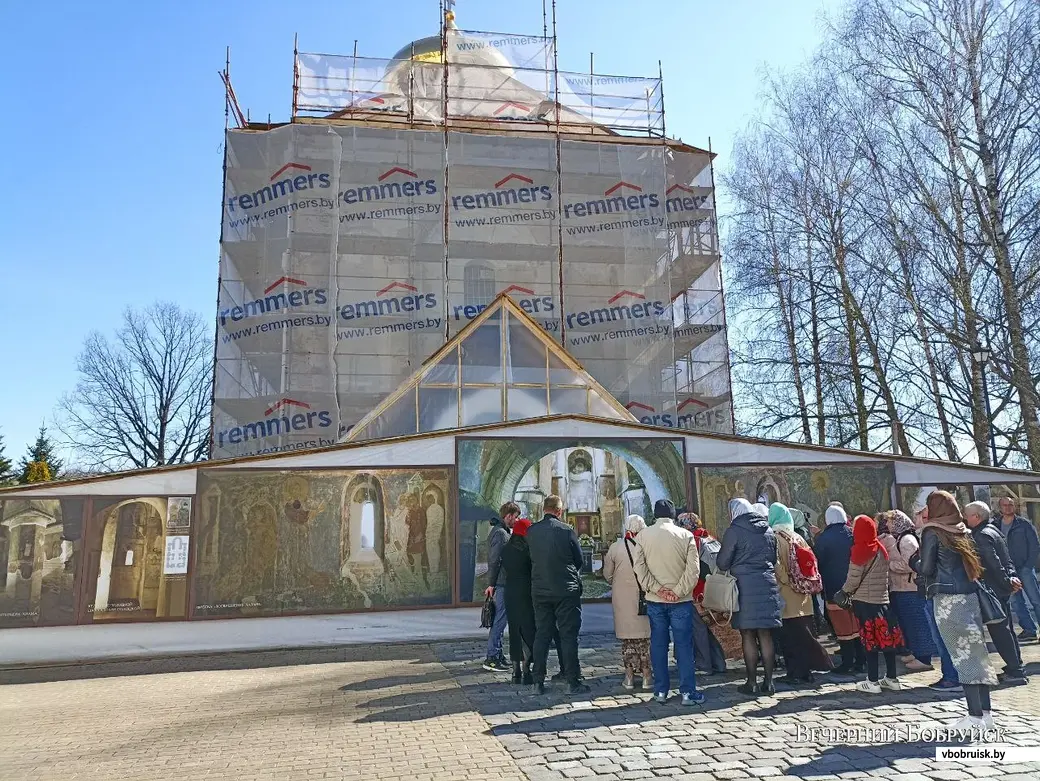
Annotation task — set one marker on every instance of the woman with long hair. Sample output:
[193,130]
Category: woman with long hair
[749,554]
[802,651]
[632,629]
[896,532]
[867,585]
[949,567]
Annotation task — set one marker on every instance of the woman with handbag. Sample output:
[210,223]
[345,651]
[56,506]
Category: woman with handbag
[631,625]
[866,589]
[949,569]
[833,548]
[802,651]
[749,555]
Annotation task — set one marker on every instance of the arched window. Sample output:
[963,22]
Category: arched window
[478,283]
[366,499]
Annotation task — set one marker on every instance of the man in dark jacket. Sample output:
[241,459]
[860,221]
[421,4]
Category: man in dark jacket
[999,575]
[1024,546]
[497,539]
[556,591]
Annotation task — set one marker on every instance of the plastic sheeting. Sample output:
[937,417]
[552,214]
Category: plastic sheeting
[348,259]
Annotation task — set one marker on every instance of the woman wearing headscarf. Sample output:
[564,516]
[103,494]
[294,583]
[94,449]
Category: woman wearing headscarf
[949,568]
[867,586]
[896,533]
[749,554]
[632,629]
[516,560]
[802,651]
[833,547]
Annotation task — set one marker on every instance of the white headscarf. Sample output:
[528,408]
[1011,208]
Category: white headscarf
[835,514]
[739,506]
[760,509]
[634,524]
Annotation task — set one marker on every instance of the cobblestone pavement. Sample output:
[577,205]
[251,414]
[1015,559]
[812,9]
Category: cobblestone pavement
[430,712]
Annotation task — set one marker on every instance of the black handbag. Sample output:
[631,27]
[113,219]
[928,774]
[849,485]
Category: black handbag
[989,605]
[487,613]
[641,609]
[842,598]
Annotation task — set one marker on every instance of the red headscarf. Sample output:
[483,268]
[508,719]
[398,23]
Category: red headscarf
[865,543]
[520,527]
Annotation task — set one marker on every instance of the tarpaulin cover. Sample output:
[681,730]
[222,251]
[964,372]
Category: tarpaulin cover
[348,259]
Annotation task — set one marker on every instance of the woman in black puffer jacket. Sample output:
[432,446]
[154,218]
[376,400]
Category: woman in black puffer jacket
[749,554]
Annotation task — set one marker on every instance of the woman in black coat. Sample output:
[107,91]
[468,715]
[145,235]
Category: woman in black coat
[516,560]
[749,554]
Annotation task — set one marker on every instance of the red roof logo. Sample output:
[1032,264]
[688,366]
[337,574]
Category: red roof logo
[285,403]
[511,104]
[647,407]
[692,400]
[619,185]
[398,170]
[396,286]
[518,289]
[287,166]
[623,293]
[682,187]
[511,176]
[286,280]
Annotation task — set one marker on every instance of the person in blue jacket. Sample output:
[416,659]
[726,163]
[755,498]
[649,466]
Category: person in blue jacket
[1024,547]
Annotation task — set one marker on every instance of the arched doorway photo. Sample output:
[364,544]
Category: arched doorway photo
[126,549]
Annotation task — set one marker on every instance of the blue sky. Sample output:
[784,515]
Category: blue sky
[114,120]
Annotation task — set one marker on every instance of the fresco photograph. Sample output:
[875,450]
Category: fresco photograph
[600,482]
[863,490]
[276,542]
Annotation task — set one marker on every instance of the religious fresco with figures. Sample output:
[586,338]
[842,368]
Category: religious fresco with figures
[600,482]
[863,489]
[279,542]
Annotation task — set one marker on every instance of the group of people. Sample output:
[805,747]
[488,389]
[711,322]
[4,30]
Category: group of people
[890,588]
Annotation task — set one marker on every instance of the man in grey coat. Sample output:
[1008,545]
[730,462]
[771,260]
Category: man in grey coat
[497,539]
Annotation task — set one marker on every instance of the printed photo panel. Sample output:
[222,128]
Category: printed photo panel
[278,543]
[600,482]
[41,548]
[863,489]
[137,553]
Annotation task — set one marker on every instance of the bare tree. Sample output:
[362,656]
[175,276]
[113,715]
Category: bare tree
[142,399]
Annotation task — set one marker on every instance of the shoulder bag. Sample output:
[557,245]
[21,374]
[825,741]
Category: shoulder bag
[989,604]
[641,608]
[842,598]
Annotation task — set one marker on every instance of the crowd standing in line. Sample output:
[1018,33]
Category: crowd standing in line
[888,587]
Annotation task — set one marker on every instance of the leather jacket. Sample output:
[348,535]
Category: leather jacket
[996,561]
[940,570]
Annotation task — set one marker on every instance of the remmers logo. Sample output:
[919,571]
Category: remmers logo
[623,305]
[396,182]
[286,416]
[620,197]
[291,178]
[531,302]
[295,293]
[692,413]
[395,298]
[521,189]
[681,198]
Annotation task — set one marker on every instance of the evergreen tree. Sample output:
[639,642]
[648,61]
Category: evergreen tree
[5,463]
[40,452]
[38,472]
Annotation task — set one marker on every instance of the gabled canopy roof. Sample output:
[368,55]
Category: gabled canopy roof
[500,367]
